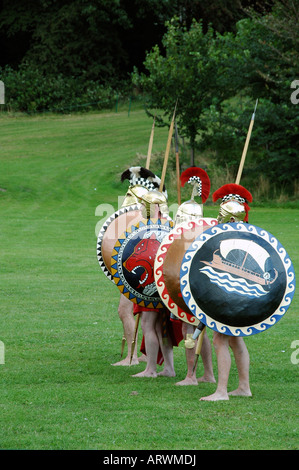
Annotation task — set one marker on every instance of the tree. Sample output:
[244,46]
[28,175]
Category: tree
[267,47]
[203,70]
[190,73]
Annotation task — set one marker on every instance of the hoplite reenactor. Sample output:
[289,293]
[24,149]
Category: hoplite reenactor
[189,223]
[133,269]
[233,208]
[133,264]
[141,180]
[238,280]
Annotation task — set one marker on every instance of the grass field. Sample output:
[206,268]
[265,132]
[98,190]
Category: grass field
[59,322]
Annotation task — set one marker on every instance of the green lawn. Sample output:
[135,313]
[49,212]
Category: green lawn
[59,321]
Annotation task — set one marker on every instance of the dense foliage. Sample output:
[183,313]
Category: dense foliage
[29,90]
[99,38]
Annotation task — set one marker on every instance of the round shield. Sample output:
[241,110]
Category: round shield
[111,230]
[132,261]
[168,264]
[237,279]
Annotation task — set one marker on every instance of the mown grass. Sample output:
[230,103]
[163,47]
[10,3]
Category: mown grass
[59,321]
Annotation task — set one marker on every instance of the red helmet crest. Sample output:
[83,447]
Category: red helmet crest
[199,176]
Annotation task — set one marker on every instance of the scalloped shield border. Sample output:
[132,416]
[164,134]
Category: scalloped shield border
[158,269]
[147,301]
[102,232]
[216,325]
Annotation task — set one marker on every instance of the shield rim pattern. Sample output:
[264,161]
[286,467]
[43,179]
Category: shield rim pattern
[159,274]
[216,325]
[103,230]
[154,302]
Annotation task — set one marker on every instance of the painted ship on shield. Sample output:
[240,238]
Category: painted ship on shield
[245,259]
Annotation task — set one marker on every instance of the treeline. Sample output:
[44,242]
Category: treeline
[58,55]
[100,40]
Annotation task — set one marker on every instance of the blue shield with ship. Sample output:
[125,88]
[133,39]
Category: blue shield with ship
[237,279]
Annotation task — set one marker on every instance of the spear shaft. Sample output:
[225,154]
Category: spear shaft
[149,154]
[246,146]
[198,347]
[135,336]
[150,146]
[123,342]
[167,151]
[177,161]
[161,189]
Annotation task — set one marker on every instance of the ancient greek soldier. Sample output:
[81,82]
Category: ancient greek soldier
[233,208]
[141,181]
[159,334]
[187,211]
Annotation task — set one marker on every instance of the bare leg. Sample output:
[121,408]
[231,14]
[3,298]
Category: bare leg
[125,312]
[190,378]
[242,361]
[221,344]
[206,356]
[148,321]
[166,348]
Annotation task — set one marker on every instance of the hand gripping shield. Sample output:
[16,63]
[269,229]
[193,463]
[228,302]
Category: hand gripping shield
[237,279]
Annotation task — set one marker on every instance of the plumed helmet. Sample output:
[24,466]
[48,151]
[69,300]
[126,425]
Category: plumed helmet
[200,181]
[235,199]
[142,180]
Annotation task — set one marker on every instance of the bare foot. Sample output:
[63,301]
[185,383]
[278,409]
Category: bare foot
[188,381]
[142,358]
[239,392]
[126,362]
[207,378]
[217,396]
[167,373]
[145,373]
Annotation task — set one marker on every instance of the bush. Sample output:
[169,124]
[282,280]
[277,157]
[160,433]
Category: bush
[29,90]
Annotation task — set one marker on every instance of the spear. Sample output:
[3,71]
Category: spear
[199,333]
[135,336]
[167,151]
[177,161]
[161,189]
[149,153]
[200,330]
[246,146]
[150,146]
[123,342]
